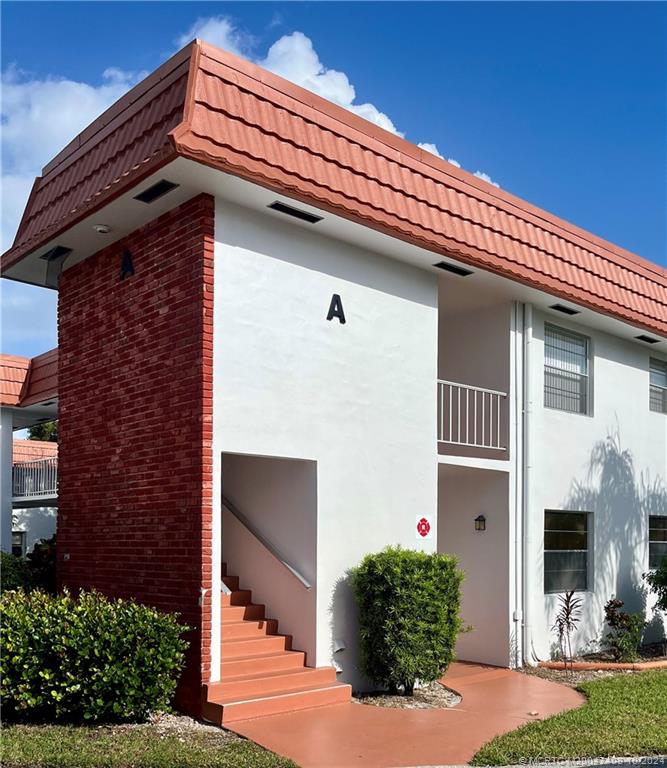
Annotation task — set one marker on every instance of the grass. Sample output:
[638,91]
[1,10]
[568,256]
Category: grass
[625,715]
[52,746]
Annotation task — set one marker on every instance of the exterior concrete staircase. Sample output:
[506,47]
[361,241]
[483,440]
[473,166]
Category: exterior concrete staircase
[260,673]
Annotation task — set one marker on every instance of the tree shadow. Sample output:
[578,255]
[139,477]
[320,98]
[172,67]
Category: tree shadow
[620,503]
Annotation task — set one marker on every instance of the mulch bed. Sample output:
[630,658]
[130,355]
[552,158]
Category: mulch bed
[431,696]
[177,725]
[575,677]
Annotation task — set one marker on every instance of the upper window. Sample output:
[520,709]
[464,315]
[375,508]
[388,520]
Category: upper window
[565,551]
[657,540]
[657,398]
[566,380]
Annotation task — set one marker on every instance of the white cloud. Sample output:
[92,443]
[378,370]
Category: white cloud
[454,162]
[294,58]
[40,117]
[432,148]
[486,177]
[220,31]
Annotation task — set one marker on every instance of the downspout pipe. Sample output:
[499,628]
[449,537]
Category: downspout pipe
[517,462]
[526,525]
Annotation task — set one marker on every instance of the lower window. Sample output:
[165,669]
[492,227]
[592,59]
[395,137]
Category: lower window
[18,543]
[657,540]
[565,551]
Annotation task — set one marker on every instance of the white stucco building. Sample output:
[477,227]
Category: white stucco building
[387,350]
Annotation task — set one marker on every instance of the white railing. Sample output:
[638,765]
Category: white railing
[470,416]
[35,478]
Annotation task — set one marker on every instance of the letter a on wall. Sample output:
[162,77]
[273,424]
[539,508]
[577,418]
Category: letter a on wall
[336,309]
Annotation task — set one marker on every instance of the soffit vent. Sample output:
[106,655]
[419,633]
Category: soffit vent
[565,310]
[453,268]
[647,339]
[58,252]
[311,218]
[158,189]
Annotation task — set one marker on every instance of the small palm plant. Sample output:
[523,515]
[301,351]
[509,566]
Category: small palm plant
[567,619]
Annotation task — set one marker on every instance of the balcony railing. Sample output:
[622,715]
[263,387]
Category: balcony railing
[34,479]
[470,416]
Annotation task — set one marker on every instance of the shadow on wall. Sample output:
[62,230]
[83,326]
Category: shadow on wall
[344,624]
[621,503]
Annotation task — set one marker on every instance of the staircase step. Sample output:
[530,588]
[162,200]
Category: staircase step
[223,711]
[232,582]
[252,647]
[233,613]
[237,597]
[265,663]
[242,630]
[267,683]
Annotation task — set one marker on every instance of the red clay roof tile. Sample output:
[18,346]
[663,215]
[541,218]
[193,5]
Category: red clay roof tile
[25,381]
[223,111]
[31,450]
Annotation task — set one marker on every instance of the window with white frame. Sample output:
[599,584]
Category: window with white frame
[657,399]
[18,543]
[566,550]
[657,539]
[566,369]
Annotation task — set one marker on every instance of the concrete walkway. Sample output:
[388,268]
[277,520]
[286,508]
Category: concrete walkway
[345,735]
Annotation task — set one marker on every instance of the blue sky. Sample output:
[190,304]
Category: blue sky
[562,104]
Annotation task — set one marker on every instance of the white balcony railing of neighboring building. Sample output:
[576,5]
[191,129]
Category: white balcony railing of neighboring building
[34,479]
[470,416]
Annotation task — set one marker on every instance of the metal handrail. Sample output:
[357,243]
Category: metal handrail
[263,541]
[35,478]
[469,416]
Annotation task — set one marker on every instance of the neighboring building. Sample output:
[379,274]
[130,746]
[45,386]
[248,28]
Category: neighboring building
[288,338]
[28,468]
[34,493]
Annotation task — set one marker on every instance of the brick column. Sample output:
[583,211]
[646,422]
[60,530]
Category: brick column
[135,424]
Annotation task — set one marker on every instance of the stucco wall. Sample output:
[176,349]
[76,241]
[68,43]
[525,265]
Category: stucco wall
[612,463]
[37,522]
[279,499]
[358,399]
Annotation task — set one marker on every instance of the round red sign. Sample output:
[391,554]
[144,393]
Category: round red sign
[423,527]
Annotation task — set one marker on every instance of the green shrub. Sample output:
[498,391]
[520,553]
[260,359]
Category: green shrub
[657,581]
[42,564]
[626,630]
[86,659]
[14,572]
[408,616]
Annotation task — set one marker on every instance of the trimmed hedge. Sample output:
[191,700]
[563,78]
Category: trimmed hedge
[86,659]
[14,572]
[408,616]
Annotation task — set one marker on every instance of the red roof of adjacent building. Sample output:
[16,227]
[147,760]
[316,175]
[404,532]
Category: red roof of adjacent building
[31,450]
[28,381]
[212,107]
[13,373]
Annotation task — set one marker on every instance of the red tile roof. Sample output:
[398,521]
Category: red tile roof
[25,381]
[42,383]
[30,450]
[246,121]
[13,373]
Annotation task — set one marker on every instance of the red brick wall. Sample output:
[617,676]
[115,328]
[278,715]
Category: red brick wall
[135,424]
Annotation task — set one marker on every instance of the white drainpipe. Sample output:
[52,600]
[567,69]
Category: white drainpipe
[517,466]
[526,526]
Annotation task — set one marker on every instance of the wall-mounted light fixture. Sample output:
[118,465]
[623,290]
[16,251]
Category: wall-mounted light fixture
[480,523]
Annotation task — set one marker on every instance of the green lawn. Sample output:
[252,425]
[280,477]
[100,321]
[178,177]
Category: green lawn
[625,715]
[146,747]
